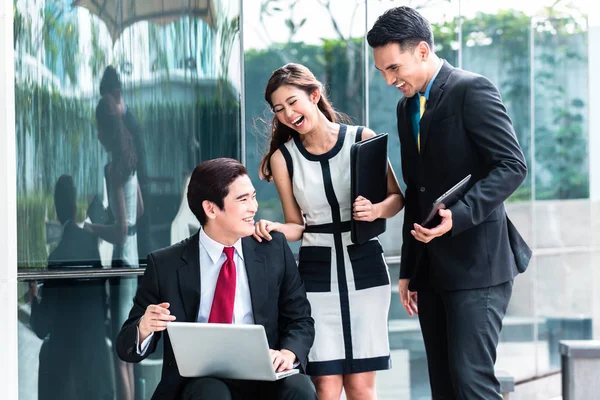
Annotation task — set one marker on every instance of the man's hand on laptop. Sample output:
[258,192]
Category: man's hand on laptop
[154,320]
[282,359]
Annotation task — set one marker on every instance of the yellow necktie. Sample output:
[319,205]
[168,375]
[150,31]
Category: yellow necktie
[422,101]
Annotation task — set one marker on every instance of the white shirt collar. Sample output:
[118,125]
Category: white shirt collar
[214,249]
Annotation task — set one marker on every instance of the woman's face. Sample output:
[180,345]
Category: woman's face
[295,108]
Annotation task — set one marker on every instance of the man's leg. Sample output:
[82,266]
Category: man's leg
[432,317]
[221,389]
[295,387]
[206,389]
[474,323]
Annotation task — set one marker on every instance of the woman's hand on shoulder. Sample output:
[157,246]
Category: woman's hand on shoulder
[263,227]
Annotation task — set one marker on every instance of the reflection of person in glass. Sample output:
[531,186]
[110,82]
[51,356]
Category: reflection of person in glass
[348,285]
[111,84]
[126,203]
[70,316]
[222,275]
[459,273]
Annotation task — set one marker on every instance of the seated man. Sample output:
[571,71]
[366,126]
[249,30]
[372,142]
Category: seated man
[195,280]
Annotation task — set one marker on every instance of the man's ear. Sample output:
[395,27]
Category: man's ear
[210,209]
[423,51]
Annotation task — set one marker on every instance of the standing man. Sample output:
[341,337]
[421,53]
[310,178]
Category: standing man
[452,123]
[223,275]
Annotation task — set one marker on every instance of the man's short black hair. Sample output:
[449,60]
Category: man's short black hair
[402,25]
[110,80]
[65,197]
[210,181]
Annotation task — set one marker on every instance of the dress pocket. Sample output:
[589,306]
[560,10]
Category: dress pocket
[368,265]
[314,264]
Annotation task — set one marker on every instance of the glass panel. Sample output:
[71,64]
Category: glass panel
[563,211]
[325,36]
[67,330]
[496,44]
[110,122]
[171,79]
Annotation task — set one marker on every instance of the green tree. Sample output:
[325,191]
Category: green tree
[560,130]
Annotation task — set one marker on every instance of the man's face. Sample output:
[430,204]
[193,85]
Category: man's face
[407,70]
[236,219]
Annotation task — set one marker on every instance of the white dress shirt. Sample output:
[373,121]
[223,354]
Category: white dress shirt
[211,260]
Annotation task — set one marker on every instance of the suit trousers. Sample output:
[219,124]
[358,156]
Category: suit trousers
[461,329]
[295,387]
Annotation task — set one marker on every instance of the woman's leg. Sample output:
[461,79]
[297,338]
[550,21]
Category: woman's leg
[329,387]
[360,386]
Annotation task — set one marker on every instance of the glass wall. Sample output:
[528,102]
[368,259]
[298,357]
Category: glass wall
[496,42]
[115,105]
[562,213]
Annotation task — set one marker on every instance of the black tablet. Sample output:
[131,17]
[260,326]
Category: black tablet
[444,201]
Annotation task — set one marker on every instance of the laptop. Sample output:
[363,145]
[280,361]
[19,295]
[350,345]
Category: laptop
[230,351]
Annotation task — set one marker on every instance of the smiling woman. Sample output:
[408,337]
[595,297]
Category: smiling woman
[347,284]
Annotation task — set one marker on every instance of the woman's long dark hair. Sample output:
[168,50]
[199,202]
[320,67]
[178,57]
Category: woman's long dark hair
[299,76]
[116,139]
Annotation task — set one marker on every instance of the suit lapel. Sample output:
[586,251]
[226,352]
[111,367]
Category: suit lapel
[435,93]
[256,269]
[189,278]
[405,124]
[408,143]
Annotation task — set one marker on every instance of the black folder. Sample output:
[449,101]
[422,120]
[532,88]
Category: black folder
[368,171]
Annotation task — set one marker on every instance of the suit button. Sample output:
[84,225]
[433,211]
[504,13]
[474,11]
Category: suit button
[422,189]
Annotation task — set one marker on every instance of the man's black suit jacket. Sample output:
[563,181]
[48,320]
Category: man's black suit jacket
[277,293]
[464,130]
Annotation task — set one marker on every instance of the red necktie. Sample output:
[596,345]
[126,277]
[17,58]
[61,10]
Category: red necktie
[222,306]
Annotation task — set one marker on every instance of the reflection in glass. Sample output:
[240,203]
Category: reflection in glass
[74,358]
[175,78]
[124,100]
[65,343]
